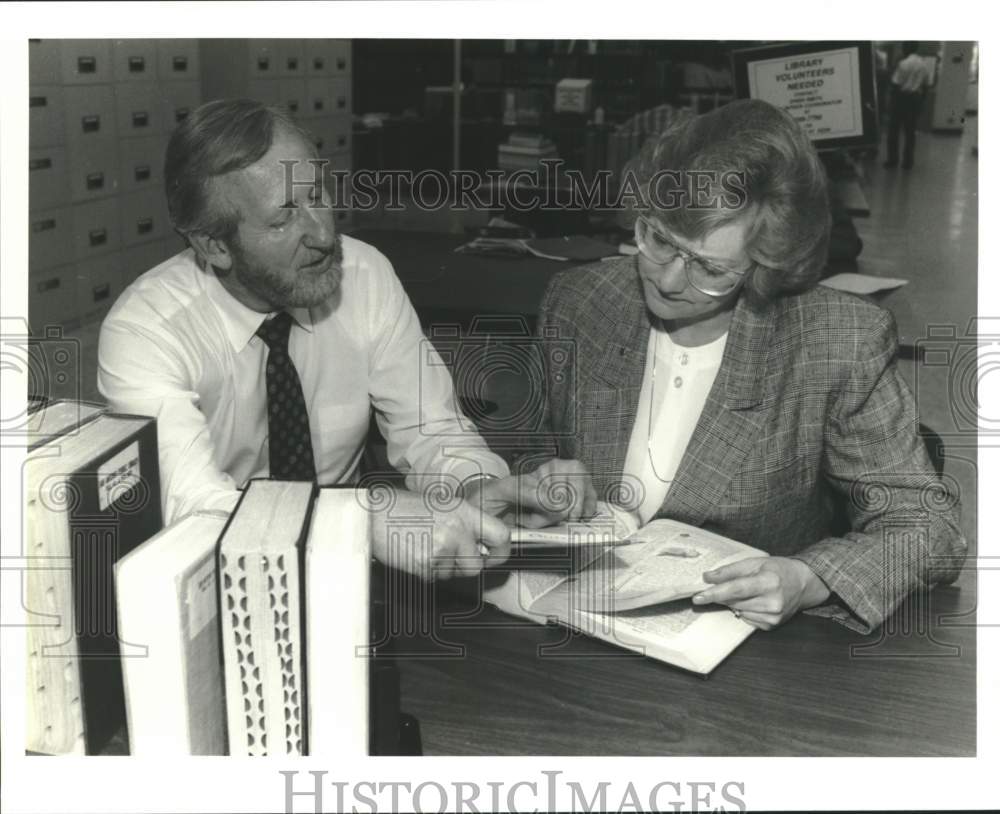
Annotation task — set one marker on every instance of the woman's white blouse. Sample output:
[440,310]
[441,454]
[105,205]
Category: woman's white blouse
[675,386]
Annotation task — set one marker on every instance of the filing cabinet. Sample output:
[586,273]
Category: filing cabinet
[140,109]
[144,217]
[331,134]
[46,116]
[178,60]
[340,92]
[52,297]
[141,164]
[85,62]
[44,65]
[93,169]
[96,229]
[98,284]
[319,97]
[292,96]
[90,113]
[179,100]
[100,112]
[50,237]
[48,169]
[135,60]
[262,58]
[291,58]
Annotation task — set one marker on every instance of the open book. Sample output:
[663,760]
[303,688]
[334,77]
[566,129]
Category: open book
[636,595]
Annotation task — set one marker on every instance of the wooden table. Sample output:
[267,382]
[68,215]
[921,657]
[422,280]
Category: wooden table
[479,686]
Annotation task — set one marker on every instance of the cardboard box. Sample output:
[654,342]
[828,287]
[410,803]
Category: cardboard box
[574,95]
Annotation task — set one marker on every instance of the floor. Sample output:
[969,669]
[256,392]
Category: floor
[923,228]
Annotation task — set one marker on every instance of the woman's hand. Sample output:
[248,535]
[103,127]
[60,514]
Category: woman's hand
[767,591]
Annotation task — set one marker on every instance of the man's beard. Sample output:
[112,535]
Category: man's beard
[307,289]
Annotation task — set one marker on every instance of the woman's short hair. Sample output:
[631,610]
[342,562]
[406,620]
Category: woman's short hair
[219,137]
[745,157]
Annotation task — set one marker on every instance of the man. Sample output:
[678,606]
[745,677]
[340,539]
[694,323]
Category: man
[909,81]
[262,348]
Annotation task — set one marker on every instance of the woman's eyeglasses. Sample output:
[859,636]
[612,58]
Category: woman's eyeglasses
[708,278]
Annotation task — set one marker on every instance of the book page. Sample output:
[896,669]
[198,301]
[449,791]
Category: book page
[663,561]
[608,526]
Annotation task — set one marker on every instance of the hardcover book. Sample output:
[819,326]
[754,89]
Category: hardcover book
[168,607]
[293,600]
[92,495]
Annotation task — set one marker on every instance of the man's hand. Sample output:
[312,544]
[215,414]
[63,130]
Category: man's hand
[559,490]
[767,591]
[456,540]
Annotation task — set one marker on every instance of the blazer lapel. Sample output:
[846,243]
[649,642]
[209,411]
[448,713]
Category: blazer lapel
[615,379]
[730,423]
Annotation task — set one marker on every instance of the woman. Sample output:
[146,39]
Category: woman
[715,384]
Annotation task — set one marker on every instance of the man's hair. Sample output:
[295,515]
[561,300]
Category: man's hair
[219,137]
[759,161]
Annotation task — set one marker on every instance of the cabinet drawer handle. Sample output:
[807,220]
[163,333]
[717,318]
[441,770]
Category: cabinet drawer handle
[43,225]
[102,292]
[91,124]
[48,285]
[317,104]
[180,64]
[40,164]
[293,63]
[98,237]
[181,113]
[140,118]
[142,172]
[137,64]
[38,101]
[341,64]
[341,141]
[341,102]
[86,64]
[318,63]
[95,180]
[263,64]
[144,226]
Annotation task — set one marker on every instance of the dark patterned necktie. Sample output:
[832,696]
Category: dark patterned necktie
[289,443]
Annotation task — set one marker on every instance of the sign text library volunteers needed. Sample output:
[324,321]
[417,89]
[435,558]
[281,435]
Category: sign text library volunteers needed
[816,89]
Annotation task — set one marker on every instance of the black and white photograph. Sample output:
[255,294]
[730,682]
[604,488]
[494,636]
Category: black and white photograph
[495,407]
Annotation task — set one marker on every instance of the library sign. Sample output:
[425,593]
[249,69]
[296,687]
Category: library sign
[820,90]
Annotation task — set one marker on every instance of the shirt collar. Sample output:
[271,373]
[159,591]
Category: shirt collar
[240,322]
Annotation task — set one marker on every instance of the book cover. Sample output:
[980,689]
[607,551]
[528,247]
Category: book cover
[168,607]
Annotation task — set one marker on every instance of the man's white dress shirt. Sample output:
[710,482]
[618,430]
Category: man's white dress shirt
[177,346]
